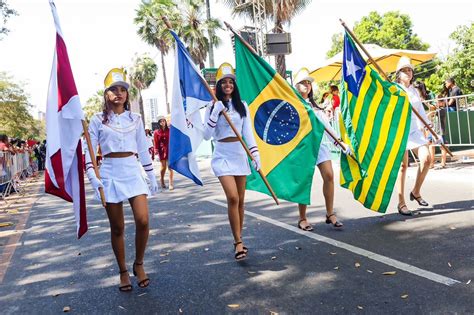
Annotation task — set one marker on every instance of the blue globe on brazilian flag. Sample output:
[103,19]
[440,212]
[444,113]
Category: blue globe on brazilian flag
[287,132]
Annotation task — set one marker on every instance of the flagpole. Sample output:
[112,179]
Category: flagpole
[427,126]
[92,156]
[237,134]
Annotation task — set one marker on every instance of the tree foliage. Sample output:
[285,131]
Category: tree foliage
[16,120]
[5,14]
[93,104]
[391,30]
[142,73]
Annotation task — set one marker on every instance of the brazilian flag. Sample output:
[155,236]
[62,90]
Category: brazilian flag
[287,132]
[375,121]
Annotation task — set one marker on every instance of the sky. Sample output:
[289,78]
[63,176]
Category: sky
[100,35]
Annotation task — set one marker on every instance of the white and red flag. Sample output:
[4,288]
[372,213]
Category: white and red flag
[64,176]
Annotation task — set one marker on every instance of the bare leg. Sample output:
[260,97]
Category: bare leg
[443,156]
[117,227]
[139,206]
[432,155]
[171,174]
[424,167]
[401,184]
[162,173]
[327,174]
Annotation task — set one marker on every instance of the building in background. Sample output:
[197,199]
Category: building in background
[151,111]
[41,116]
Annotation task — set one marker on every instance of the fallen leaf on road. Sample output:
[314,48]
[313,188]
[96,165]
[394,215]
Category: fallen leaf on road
[5,224]
[332,253]
[142,294]
[164,261]
[233,305]
[389,273]
[251,272]
[468,281]
[121,307]
[164,254]
[189,224]
[357,265]
[404,296]
[180,311]
[298,248]
[369,271]
[280,248]
[274,257]
[336,268]
[452,228]
[206,249]
[66,309]
[78,254]
[56,294]
[449,264]
[360,307]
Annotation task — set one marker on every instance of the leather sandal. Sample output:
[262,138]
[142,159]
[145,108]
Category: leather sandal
[144,282]
[127,287]
[336,224]
[404,212]
[418,199]
[307,228]
[241,254]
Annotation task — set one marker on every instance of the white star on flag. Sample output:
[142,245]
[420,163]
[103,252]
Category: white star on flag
[352,68]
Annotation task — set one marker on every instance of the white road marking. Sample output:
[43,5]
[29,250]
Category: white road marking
[356,250]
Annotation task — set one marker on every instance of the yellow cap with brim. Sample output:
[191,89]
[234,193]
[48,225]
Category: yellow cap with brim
[225,70]
[116,77]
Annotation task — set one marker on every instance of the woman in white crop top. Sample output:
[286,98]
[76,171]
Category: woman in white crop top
[229,162]
[121,137]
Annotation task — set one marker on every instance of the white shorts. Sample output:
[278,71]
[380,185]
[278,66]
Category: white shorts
[416,139]
[230,158]
[122,179]
[324,154]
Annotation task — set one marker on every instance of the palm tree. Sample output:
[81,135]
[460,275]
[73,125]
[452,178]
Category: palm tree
[142,74]
[154,32]
[280,12]
[193,29]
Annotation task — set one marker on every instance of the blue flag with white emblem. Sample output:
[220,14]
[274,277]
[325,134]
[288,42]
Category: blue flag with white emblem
[186,132]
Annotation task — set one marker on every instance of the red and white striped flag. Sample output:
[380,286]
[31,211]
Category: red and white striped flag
[64,176]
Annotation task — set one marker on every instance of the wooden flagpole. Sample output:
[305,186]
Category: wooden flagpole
[237,134]
[92,156]
[427,126]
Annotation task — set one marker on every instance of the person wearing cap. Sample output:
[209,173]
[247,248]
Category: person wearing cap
[161,141]
[229,160]
[121,136]
[416,139]
[303,84]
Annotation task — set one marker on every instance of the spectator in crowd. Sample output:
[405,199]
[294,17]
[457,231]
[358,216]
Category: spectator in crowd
[4,145]
[161,143]
[149,137]
[453,92]
[336,101]
[38,156]
[441,115]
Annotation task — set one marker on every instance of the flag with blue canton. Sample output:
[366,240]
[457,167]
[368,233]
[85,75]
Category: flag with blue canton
[375,121]
[189,95]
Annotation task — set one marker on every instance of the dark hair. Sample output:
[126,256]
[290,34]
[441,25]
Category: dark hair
[325,94]
[106,108]
[451,80]
[421,87]
[333,88]
[166,124]
[236,100]
[3,138]
[311,99]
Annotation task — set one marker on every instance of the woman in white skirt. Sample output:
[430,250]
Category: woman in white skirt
[416,139]
[229,162]
[304,87]
[121,136]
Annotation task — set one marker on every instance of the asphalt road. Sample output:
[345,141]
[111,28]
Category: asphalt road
[429,257]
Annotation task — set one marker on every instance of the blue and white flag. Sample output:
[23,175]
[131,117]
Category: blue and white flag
[189,95]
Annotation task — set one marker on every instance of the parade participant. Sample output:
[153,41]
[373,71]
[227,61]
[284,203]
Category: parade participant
[121,136]
[229,161]
[416,139]
[162,142]
[149,137]
[304,87]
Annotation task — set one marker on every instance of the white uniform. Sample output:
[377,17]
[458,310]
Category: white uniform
[416,137]
[122,177]
[324,154]
[230,158]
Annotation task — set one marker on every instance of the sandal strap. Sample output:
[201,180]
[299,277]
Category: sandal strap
[328,216]
[137,263]
[237,243]
[123,271]
[301,220]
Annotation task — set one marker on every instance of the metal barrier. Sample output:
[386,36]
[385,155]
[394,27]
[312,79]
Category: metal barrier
[14,168]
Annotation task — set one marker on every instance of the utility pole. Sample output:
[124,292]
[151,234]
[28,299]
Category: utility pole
[211,49]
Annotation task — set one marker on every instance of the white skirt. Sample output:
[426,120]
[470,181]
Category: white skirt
[416,139]
[230,158]
[324,154]
[122,179]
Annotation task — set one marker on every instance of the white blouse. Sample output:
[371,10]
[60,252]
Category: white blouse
[221,129]
[122,133]
[416,103]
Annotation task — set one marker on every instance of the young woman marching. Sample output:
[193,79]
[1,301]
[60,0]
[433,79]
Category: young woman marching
[229,161]
[162,142]
[304,87]
[121,137]
[416,139]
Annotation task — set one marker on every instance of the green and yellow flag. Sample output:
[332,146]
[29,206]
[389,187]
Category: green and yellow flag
[287,132]
[376,122]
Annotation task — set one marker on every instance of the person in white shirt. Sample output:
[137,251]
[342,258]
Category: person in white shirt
[304,87]
[416,139]
[121,136]
[229,161]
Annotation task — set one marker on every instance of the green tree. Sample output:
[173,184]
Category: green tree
[5,14]
[142,74]
[14,115]
[94,104]
[391,30]
[154,32]
[280,12]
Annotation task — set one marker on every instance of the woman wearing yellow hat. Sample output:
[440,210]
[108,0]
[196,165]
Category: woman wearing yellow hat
[229,161]
[304,87]
[121,136]
[416,139]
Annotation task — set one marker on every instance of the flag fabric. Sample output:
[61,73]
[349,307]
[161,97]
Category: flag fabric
[286,130]
[375,118]
[186,132]
[64,175]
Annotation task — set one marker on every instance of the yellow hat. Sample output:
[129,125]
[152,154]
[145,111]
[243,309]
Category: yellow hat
[225,71]
[302,75]
[116,76]
[404,62]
